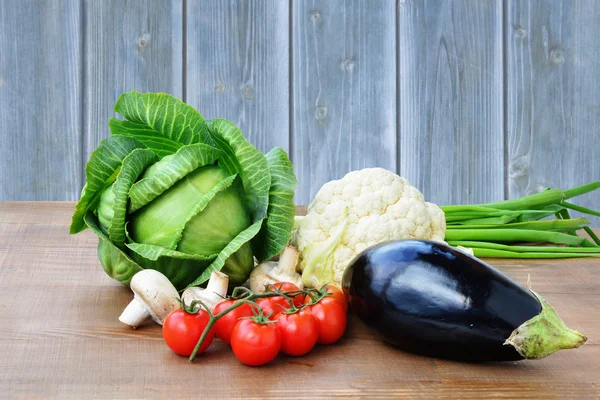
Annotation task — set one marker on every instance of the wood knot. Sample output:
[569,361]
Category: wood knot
[247,91]
[348,65]
[520,32]
[220,87]
[321,113]
[556,56]
[143,42]
[518,168]
[315,16]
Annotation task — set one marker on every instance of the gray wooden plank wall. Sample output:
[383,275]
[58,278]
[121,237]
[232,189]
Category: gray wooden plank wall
[470,101]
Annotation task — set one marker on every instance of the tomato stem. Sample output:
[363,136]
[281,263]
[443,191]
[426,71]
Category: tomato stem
[191,308]
[245,297]
[317,295]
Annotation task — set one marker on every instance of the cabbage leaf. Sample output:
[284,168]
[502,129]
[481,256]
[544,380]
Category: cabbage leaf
[173,192]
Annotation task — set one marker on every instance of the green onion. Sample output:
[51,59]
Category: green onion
[534,201]
[509,254]
[467,209]
[592,235]
[547,225]
[465,216]
[535,215]
[523,249]
[488,221]
[583,189]
[489,228]
[580,209]
[517,235]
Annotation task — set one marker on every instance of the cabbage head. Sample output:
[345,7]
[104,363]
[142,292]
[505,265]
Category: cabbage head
[173,192]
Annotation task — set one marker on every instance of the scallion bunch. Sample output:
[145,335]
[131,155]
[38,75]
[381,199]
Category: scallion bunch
[498,229]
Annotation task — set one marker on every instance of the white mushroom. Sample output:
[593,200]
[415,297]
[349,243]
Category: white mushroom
[153,296]
[215,291]
[270,272]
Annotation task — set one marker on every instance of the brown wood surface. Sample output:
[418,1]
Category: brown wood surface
[60,337]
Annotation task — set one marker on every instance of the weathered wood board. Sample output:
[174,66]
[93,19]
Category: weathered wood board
[238,68]
[451,99]
[344,90]
[471,101]
[134,45]
[40,100]
[552,89]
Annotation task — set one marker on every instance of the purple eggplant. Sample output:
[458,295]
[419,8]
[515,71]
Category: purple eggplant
[429,298]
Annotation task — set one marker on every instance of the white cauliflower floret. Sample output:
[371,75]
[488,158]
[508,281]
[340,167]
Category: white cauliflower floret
[365,207]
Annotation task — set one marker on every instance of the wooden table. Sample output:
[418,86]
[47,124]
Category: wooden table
[60,337]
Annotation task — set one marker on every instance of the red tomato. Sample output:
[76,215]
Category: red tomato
[254,343]
[280,304]
[299,332]
[270,307]
[224,325]
[286,287]
[182,330]
[331,320]
[335,293]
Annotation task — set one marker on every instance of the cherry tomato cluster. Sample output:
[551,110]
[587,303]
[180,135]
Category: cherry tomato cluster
[285,319]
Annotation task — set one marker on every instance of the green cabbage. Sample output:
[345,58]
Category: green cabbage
[173,192]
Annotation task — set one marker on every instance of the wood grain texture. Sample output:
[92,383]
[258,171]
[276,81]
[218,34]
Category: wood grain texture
[60,337]
[451,99]
[40,100]
[128,45]
[418,87]
[238,66]
[553,107]
[344,85]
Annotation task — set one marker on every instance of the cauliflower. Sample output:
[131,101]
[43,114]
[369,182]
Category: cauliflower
[365,207]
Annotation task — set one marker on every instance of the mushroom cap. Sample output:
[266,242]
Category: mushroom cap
[156,292]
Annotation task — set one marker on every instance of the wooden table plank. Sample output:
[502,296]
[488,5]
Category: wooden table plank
[60,337]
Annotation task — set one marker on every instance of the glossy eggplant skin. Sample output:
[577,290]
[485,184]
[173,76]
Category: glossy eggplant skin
[429,298]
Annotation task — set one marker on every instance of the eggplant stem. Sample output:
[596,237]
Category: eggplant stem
[543,334]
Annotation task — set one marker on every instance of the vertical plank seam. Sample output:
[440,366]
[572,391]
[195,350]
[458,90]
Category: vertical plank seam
[184,51]
[291,81]
[398,97]
[82,95]
[505,93]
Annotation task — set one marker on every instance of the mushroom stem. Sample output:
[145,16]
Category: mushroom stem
[217,284]
[215,291]
[288,260]
[134,314]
